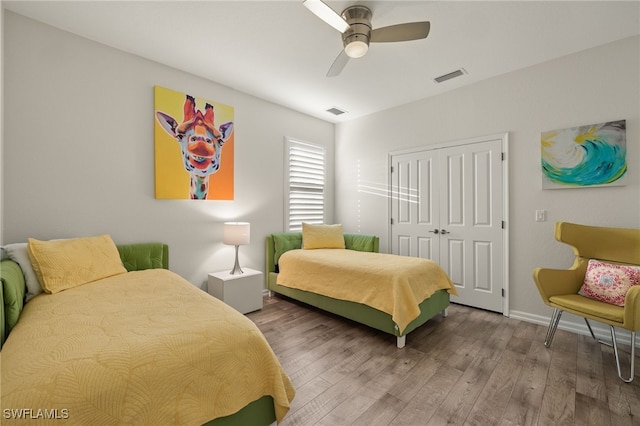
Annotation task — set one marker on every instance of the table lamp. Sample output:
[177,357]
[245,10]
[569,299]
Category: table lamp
[236,234]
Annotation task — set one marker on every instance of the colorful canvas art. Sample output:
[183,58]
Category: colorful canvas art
[194,147]
[585,156]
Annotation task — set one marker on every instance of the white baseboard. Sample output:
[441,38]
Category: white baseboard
[578,326]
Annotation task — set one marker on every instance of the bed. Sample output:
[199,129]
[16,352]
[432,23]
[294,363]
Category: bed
[279,246]
[140,345]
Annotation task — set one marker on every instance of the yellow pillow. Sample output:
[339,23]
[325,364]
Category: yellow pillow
[64,264]
[322,236]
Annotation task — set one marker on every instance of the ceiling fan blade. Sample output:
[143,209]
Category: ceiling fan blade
[401,32]
[338,64]
[328,15]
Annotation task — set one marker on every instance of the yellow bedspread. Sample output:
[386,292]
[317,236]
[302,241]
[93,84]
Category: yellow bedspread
[390,283]
[141,348]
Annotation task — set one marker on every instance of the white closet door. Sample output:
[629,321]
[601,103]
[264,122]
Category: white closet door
[447,205]
[415,213]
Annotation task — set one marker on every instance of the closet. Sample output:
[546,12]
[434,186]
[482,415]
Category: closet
[448,204]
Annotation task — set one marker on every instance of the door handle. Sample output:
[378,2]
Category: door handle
[444,231]
[435,231]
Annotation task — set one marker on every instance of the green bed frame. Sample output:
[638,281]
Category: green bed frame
[134,257]
[358,312]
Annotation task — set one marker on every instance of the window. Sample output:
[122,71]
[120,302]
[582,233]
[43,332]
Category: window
[304,184]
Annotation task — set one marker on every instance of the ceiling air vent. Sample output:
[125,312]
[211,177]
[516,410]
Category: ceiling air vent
[454,74]
[335,111]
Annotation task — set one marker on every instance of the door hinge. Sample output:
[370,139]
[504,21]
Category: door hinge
[392,221]
[503,292]
[504,225]
[391,169]
[503,156]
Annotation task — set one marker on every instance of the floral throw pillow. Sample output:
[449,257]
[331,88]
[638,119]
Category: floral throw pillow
[608,282]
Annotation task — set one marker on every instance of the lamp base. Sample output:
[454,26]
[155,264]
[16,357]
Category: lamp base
[237,270]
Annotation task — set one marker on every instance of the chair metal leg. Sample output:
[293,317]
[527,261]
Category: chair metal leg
[553,326]
[633,354]
[604,342]
[591,330]
[614,344]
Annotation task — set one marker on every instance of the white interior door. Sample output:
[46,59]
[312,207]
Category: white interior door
[447,205]
[415,213]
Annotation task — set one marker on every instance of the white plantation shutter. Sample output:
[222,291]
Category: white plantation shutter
[304,184]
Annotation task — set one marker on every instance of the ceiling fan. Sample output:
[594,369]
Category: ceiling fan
[355,25]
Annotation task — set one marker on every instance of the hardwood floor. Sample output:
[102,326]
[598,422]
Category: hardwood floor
[471,368]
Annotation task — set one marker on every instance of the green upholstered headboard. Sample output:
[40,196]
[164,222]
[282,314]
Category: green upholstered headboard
[135,257]
[138,257]
[14,289]
[281,242]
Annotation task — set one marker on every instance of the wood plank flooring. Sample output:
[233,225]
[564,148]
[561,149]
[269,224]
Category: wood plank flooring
[471,368]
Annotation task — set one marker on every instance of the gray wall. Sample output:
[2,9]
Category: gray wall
[77,152]
[79,156]
[592,86]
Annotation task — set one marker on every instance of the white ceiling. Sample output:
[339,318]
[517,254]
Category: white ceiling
[280,52]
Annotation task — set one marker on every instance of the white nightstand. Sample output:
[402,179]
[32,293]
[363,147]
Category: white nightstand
[242,292]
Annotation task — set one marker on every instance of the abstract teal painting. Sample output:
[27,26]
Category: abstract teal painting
[584,156]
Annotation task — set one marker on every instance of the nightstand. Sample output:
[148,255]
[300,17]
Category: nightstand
[243,292]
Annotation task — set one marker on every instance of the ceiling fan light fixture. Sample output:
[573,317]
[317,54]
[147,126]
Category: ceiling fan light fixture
[358,32]
[356,49]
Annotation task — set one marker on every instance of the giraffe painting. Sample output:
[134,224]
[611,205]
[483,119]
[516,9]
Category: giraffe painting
[200,143]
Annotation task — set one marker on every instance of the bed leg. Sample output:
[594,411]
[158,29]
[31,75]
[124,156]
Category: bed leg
[401,340]
[445,312]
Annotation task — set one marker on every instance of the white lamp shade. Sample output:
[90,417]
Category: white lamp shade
[236,233]
[356,49]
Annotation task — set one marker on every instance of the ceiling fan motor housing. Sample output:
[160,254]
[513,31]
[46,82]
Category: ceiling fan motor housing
[359,20]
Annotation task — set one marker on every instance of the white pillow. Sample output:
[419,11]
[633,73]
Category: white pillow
[18,253]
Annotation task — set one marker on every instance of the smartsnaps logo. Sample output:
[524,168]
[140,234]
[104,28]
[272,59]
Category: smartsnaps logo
[35,413]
